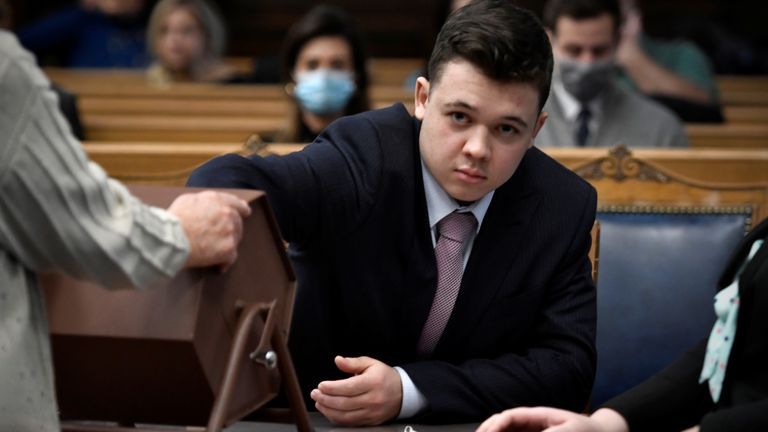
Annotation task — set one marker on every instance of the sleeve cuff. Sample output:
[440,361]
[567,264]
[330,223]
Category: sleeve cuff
[414,401]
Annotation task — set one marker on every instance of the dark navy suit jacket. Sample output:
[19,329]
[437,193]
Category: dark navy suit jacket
[353,209]
[674,399]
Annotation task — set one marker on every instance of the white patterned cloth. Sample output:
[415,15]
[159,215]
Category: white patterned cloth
[724,331]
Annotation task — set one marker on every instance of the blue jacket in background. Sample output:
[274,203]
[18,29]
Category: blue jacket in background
[74,37]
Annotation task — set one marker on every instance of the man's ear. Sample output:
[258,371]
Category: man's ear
[539,124]
[421,97]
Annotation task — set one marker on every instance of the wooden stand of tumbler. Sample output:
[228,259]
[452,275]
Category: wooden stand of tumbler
[208,349]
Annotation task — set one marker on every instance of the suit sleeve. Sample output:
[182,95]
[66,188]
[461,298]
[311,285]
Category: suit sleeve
[753,416]
[555,368]
[58,210]
[315,193]
[678,138]
[671,399]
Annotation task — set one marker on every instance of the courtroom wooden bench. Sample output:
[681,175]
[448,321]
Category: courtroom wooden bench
[182,91]
[104,127]
[737,90]
[742,82]
[393,71]
[388,76]
[746,114]
[710,165]
[249,109]
[135,128]
[162,162]
[97,83]
[383,71]
[142,106]
[744,98]
[242,65]
[728,135]
[703,164]
[155,161]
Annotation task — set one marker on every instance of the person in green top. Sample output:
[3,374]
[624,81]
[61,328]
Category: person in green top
[675,72]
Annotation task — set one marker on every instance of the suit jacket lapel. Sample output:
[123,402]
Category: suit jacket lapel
[416,299]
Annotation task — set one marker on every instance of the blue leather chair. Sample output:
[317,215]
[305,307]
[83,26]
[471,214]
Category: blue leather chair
[655,288]
[664,239]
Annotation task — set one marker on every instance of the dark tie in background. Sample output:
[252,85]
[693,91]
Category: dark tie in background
[582,132]
[454,231]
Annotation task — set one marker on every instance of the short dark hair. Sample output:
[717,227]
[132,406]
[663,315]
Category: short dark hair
[581,9]
[327,20]
[507,43]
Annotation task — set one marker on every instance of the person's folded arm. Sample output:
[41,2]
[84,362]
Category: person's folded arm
[745,417]
[672,398]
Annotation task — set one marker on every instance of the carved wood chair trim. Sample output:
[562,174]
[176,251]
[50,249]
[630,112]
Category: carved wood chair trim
[621,165]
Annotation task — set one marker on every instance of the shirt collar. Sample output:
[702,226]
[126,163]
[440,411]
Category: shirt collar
[440,204]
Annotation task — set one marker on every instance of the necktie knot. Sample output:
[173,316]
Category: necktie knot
[457,226]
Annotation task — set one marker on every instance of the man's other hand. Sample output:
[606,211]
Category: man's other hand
[213,222]
[553,420]
[370,397]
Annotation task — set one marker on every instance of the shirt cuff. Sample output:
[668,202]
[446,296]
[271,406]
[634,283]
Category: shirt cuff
[414,401]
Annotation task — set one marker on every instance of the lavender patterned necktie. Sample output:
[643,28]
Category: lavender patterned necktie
[455,229]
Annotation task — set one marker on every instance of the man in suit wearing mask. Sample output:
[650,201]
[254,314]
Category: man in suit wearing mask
[587,106]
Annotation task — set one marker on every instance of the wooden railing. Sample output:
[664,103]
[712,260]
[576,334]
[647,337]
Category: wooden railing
[158,162]
[121,106]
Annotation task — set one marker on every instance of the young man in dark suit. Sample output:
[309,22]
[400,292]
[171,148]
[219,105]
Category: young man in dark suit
[503,314]
[687,395]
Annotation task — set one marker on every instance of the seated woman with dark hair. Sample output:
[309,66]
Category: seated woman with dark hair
[186,39]
[324,71]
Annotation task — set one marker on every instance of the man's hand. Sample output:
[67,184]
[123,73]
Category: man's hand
[213,224]
[372,396]
[553,420]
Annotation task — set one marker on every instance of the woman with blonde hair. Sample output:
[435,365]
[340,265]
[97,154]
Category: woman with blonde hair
[186,39]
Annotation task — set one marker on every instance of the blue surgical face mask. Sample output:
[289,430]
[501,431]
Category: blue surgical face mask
[324,91]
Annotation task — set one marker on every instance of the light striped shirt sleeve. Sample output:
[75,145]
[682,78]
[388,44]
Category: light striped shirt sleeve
[58,210]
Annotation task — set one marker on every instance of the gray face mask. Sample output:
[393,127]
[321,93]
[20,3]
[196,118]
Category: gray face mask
[585,80]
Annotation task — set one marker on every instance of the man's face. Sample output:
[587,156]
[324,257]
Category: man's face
[585,40]
[475,131]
